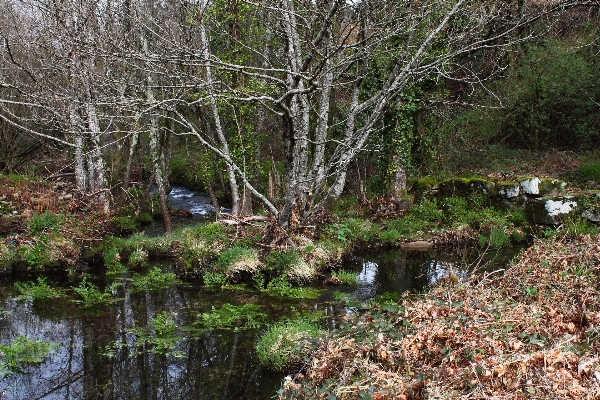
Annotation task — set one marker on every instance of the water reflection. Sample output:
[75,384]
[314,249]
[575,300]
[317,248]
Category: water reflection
[216,365]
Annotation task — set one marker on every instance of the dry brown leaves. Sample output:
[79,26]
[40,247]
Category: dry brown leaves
[531,333]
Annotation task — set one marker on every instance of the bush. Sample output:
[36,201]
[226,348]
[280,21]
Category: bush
[284,346]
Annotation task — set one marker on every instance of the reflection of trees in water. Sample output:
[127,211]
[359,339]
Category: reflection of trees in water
[218,365]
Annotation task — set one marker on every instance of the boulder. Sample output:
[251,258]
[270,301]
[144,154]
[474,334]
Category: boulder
[550,211]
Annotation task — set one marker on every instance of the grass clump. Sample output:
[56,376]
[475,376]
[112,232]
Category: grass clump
[284,346]
[155,279]
[589,172]
[124,225]
[21,352]
[138,258]
[231,317]
[345,277]
[238,259]
[38,291]
[44,223]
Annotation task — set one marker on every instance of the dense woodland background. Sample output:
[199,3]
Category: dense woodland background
[283,106]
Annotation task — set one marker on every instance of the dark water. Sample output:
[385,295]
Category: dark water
[215,365]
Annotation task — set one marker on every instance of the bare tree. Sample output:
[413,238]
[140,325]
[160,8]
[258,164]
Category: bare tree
[314,78]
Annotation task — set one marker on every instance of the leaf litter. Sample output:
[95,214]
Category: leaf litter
[529,332]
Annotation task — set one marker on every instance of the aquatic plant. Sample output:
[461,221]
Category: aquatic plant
[285,345]
[345,277]
[159,336]
[214,279]
[21,352]
[39,290]
[280,286]
[154,279]
[92,296]
[232,317]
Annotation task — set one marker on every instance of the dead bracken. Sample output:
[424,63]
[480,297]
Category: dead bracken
[528,332]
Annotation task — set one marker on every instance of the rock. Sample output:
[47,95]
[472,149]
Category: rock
[531,186]
[419,245]
[542,187]
[508,189]
[558,207]
[592,214]
[466,186]
[425,188]
[549,211]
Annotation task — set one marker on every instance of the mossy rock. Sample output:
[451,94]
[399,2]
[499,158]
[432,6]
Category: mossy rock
[550,211]
[424,188]
[508,189]
[464,187]
[534,186]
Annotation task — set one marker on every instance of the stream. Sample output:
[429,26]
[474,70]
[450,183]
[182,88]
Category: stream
[94,354]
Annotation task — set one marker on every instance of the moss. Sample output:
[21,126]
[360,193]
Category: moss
[465,186]
[551,187]
[124,225]
[427,182]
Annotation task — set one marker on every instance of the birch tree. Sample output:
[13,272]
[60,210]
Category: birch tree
[313,77]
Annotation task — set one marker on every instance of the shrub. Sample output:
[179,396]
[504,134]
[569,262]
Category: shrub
[284,346]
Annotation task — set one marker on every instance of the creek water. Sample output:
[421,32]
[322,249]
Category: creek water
[95,357]
[95,354]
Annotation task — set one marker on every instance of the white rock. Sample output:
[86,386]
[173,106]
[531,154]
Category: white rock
[555,208]
[531,186]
